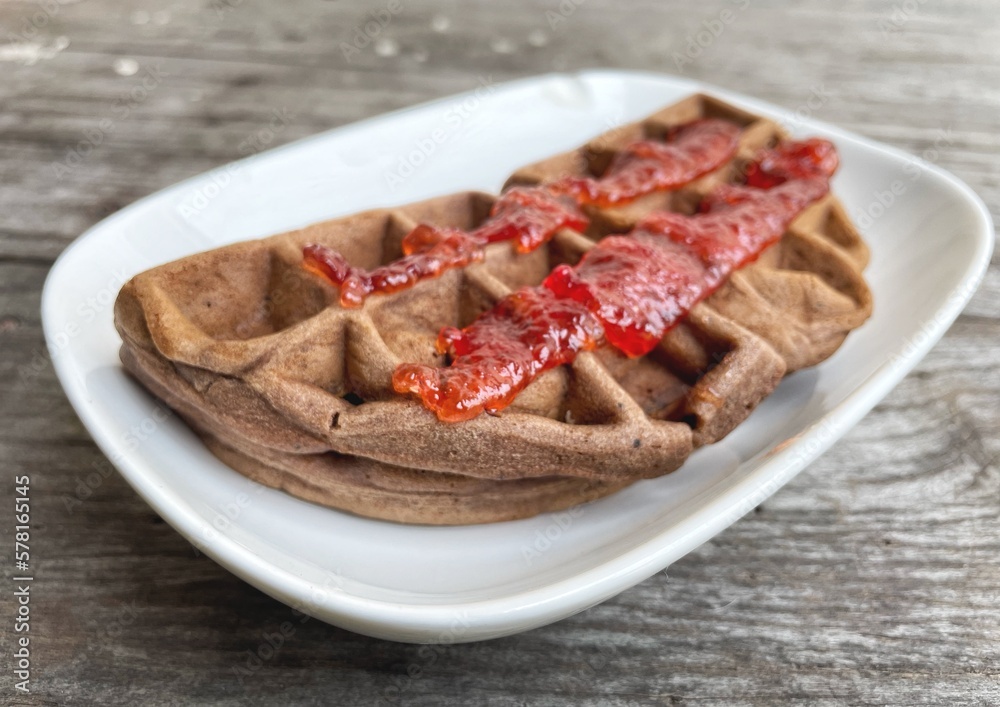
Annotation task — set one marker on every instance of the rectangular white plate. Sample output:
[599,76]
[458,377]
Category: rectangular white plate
[930,247]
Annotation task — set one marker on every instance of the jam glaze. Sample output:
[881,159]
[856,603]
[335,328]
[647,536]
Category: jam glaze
[441,249]
[691,151]
[627,291]
[530,216]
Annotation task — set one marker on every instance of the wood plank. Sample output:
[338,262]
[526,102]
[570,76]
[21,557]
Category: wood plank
[872,578]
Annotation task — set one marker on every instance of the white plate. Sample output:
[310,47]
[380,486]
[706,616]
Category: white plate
[930,247]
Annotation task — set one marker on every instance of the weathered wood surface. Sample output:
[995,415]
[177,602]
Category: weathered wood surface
[873,578]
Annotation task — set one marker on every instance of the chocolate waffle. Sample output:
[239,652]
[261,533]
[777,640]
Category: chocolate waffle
[291,389]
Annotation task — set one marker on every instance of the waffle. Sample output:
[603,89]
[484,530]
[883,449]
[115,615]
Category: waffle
[294,391]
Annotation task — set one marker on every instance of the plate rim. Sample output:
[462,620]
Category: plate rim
[521,610]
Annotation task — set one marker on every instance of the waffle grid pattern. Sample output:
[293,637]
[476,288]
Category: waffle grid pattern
[294,391]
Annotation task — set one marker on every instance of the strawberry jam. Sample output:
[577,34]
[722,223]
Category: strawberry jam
[649,166]
[736,225]
[627,291]
[636,286]
[497,356]
[793,160]
[442,249]
[531,216]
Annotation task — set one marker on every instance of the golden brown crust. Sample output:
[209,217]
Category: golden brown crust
[294,391]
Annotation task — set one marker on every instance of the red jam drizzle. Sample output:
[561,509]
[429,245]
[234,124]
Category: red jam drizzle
[525,334]
[443,249]
[635,286]
[531,216]
[647,166]
[793,159]
[627,291]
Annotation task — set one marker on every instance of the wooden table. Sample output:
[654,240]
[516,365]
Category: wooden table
[872,578]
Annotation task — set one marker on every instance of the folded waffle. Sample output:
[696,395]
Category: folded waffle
[291,389]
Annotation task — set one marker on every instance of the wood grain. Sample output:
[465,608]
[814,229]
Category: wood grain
[872,578]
